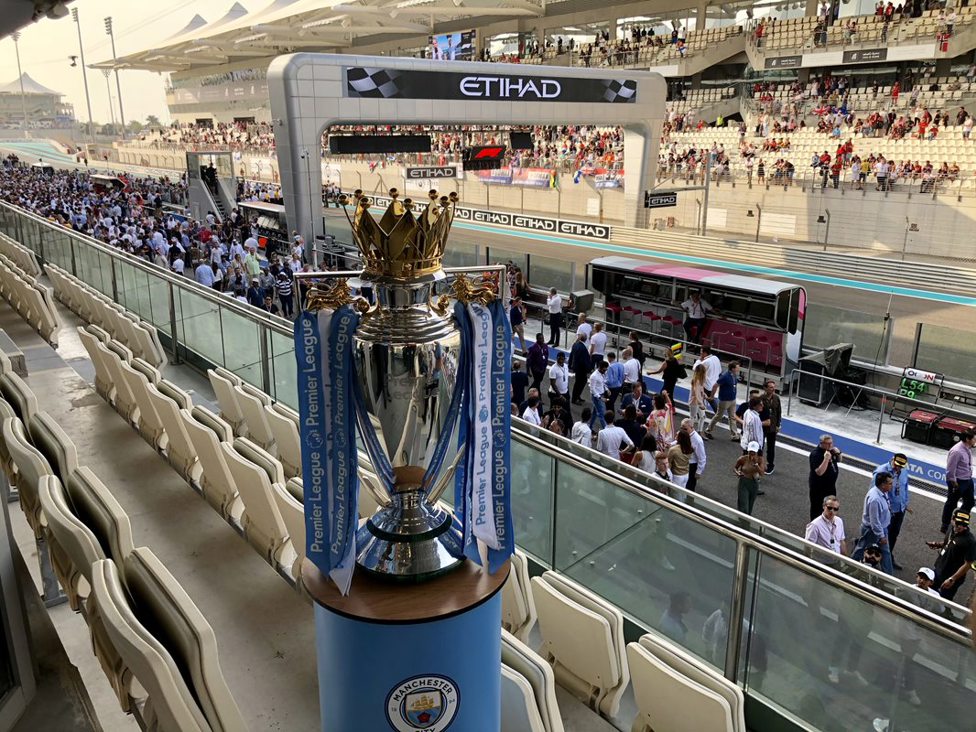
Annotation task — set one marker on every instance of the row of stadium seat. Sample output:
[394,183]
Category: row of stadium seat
[155,646]
[19,287]
[94,307]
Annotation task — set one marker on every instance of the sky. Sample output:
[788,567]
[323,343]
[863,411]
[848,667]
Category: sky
[46,45]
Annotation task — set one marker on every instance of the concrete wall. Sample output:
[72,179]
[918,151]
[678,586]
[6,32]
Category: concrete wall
[862,221]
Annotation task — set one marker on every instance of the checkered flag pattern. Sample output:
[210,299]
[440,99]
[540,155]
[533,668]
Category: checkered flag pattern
[620,91]
[373,83]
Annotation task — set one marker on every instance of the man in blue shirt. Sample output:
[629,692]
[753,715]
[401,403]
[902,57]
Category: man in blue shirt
[204,274]
[875,521]
[897,468]
[728,384]
[614,378]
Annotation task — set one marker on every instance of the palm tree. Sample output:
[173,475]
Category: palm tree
[153,121]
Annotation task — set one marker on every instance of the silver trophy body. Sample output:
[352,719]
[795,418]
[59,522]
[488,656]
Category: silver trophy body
[406,358]
[406,353]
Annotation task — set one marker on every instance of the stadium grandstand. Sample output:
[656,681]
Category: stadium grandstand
[701,381]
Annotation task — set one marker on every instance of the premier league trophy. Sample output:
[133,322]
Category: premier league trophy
[422,378]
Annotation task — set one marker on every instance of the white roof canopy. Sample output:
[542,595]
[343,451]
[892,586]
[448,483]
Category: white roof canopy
[288,25]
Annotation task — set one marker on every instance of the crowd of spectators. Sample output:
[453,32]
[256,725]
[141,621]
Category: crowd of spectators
[224,255]
[566,147]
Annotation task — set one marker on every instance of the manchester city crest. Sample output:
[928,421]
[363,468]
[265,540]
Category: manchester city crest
[427,703]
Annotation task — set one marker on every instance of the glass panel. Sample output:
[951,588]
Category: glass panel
[461,254]
[497,255]
[198,328]
[825,325]
[158,308]
[532,494]
[664,570]
[284,371]
[241,347]
[865,659]
[133,287]
[552,272]
[946,351]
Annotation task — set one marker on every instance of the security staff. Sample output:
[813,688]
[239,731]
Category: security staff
[957,553]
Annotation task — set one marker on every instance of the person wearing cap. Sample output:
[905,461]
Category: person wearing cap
[255,293]
[897,467]
[875,520]
[957,553]
[927,599]
[827,530]
[750,468]
[959,477]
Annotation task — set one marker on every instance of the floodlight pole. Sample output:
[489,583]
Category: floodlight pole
[20,76]
[118,85]
[84,76]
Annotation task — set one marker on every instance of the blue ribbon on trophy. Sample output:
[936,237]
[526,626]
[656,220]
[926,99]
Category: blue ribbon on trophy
[328,431]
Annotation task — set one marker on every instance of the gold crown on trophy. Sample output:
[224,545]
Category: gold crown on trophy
[402,243]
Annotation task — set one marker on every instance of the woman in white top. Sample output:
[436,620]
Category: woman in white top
[645,457]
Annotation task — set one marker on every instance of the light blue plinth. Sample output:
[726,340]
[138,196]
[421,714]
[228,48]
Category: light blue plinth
[433,675]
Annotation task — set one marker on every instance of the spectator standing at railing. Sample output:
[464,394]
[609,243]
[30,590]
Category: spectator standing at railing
[959,478]
[827,529]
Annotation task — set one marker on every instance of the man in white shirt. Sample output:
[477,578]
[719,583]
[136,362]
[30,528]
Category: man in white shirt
[584,326]
[554,304]
[559,378]
[752,429]
[827,530]
[611,438]
[696,313]
[632,370]
[598,389]
[581,433]
[713,369]
[696,465]
[598,344]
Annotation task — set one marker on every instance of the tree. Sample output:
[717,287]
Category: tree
[134,126]
[153,121]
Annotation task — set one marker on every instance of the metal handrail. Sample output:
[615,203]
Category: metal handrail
[742,537]
[886,396]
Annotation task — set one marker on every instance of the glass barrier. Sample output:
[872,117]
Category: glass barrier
[826,325]
[674,562]
[946,351]
[552,272]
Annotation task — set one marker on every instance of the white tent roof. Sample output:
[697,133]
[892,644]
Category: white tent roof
[30,87]
[285,26]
